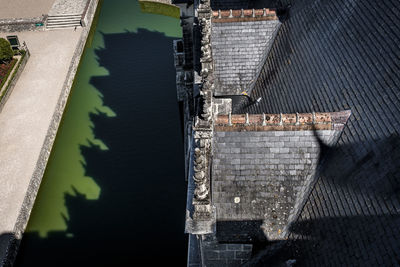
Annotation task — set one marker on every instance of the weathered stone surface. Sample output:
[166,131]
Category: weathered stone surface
[67,7]
[24,24]
[222,106]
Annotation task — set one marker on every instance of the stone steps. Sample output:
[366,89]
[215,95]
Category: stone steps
[63,21]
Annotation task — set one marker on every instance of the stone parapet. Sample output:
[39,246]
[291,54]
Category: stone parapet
[203,214]
[203,122]
[90,9]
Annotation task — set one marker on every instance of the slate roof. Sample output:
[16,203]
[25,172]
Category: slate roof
[229,4]
[262,165]
[239,4]
[330,56]
[239,49]
[265,171]
[174,2]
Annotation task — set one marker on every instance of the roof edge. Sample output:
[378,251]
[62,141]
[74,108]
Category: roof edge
[243,15]
[282,122]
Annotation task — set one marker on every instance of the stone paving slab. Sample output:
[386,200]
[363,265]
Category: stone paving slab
[68,7]
[24,8]
[26,117]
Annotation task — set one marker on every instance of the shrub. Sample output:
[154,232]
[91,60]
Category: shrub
[5,70]
[6,52]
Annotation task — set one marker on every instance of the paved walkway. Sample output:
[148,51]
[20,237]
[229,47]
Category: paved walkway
[68,7]
[26,116]
[24,8]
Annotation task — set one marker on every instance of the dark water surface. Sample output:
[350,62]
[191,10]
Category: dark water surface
[114,191]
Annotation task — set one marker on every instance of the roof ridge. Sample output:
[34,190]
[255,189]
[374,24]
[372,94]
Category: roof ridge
[282,122]
[238,15]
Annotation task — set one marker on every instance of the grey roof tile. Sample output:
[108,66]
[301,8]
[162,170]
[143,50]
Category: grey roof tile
[268,177]
[239,49]
[329,56]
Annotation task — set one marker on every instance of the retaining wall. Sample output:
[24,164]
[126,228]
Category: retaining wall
[37,176]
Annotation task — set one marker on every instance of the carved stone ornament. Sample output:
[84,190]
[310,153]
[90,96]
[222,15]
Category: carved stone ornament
[203,124]
[201,169]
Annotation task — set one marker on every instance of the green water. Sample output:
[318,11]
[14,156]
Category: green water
[65,173]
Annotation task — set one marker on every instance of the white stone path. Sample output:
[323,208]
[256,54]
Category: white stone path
[24,8]
[68,7]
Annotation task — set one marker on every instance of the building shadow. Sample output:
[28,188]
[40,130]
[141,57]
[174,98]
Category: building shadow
[139,216]
[351,216]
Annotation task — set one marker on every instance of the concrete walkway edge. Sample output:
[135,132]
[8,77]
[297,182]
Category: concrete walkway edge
[37,176]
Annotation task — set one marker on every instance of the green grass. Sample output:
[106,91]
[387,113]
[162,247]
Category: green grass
[160,8]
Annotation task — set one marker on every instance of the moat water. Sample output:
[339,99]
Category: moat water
[113,193]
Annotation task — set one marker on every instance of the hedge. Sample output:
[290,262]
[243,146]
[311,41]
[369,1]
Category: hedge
[6,53]
[23,53]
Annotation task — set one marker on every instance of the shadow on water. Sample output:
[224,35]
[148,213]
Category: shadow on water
[139,216]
